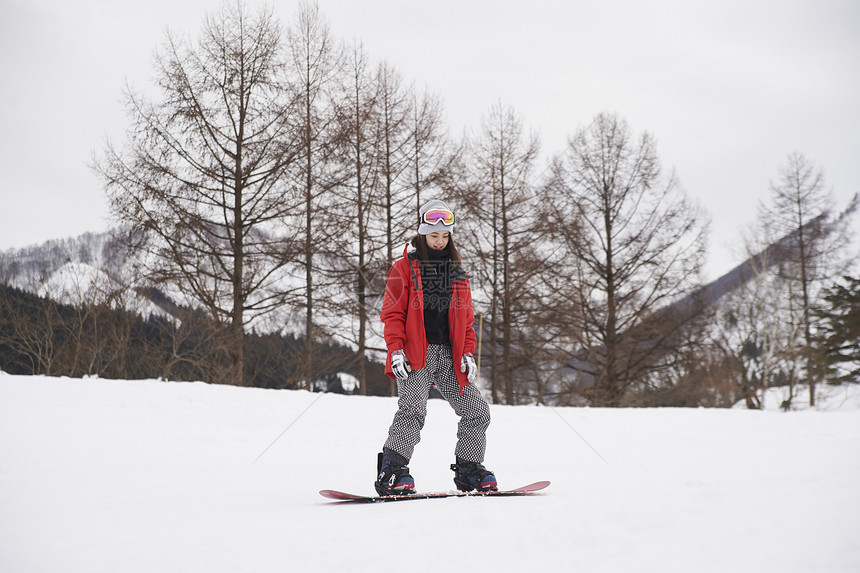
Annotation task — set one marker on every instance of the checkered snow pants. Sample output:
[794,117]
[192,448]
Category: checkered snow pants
[474,413]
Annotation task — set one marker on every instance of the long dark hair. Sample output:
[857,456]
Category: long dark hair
[419,241]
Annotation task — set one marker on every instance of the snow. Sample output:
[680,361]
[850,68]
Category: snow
[348,382]
[99,475]
[75,283]
[844,396]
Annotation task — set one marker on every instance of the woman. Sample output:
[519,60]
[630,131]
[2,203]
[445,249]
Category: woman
[428,318]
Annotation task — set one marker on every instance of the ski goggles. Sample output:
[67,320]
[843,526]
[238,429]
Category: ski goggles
[443,216]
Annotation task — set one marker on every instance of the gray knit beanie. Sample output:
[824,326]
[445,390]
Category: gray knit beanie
[435,210]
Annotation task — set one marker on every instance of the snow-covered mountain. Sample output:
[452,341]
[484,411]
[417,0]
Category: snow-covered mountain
[91,268]
[95,268]
[30,268]
[146,476]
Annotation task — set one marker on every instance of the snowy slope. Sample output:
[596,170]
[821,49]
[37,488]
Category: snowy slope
[148,476]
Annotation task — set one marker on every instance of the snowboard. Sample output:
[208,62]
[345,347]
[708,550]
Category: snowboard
[349,497]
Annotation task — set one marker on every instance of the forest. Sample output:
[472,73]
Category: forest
[273,174]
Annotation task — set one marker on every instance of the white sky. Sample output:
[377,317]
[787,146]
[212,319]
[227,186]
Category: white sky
[728,88]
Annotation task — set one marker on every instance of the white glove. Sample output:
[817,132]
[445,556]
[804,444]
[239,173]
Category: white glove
[400,365]
[469,366]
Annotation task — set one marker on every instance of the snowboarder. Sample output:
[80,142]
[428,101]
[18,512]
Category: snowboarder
[427,315]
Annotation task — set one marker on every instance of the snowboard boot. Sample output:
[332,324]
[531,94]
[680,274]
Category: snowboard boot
[392,478]
[472,475]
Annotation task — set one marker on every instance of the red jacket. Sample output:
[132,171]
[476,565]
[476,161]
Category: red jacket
[403,316]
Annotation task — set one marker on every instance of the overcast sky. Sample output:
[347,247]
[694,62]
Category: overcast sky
[728,88]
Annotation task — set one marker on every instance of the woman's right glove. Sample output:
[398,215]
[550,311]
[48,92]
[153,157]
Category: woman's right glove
[400,365]
[469,366]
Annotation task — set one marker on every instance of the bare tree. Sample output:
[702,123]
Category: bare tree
[500,203]
[28,330]
[816,254]
[429,154]
[629,242]
[395,107]
[360,193]
[756,334]
[315,62]
[200,187]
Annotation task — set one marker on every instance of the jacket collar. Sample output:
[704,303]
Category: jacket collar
[457,272]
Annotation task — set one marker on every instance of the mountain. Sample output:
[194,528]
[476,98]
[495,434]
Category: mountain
[102,319]
[94,268]
[87,268]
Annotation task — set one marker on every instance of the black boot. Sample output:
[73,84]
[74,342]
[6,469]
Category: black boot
[472,475]
[392,475]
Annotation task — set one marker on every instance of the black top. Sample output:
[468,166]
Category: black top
[437,285]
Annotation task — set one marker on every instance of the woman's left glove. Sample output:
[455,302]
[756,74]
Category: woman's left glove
[469,366]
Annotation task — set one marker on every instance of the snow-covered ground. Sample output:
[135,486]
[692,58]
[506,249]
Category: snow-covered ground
[148,476]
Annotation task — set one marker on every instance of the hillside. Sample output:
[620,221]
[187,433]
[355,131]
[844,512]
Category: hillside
[94,268]
[111,323]
[149,476]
